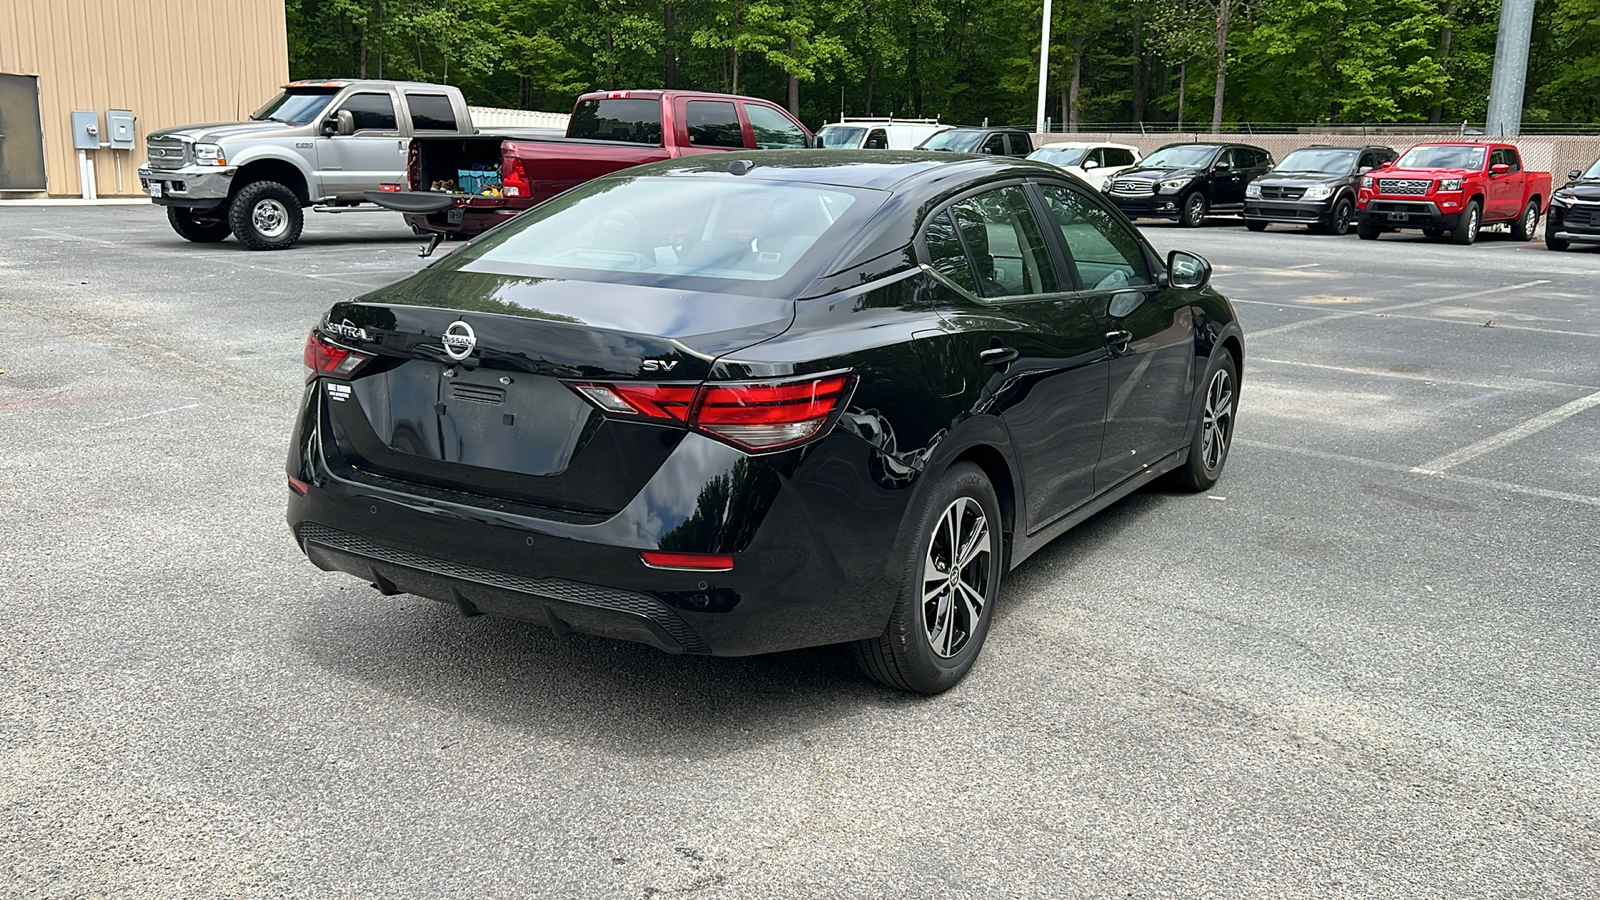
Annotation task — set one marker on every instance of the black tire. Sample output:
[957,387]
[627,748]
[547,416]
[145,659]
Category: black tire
[1366,230]
[1527,223]
[1193,210]
[1554,243]
[1213,426]
[1434,233]
[1471,220]
[934,635]
[1255,225]
[195,228]
[265,215]
[1339,222]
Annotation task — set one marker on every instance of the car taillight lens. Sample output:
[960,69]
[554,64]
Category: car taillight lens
[323,358]
[756,415]
[514,178]
[693,562]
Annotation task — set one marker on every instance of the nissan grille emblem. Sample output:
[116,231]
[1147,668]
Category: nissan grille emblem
[459,340]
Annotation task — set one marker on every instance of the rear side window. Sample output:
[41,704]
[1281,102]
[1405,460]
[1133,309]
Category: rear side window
[633,121]
[372,112]
[714,123]
[431,112]
[773,129]
[945,253]
[1106,256]
[1005,244]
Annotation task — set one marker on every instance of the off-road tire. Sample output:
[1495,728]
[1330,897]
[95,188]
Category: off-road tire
[914,653]
[1193,210]
[265,215]
[1213,426]
[1471,222]
[1527,223]
[198,229]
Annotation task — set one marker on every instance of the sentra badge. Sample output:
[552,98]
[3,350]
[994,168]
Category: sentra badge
[459,340]
[345,329]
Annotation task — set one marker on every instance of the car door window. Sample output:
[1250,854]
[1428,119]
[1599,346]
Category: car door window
[1105,255]
[1020,144]
[1507,156]
[431,112]
[945,252]
[995,144]
[713,123]
[877,140]
[1005,244]
[372,111]
[1224,160]
[1116,156]
[773,129]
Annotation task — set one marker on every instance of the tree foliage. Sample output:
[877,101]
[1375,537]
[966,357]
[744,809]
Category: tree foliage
[1323,61]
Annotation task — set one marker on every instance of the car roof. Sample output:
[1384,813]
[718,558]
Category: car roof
[880,170]
[1079,145]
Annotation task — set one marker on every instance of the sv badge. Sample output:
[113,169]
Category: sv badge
[660,365]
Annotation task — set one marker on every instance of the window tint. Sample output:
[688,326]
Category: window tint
[431,112]
[713,123]
[773,129]
[996,144]
[1021,145]
[945,253]
[634,121]
[1506,156]
[1116,156]
[877,140]
[373,112]
[1005,244]
[1106,256]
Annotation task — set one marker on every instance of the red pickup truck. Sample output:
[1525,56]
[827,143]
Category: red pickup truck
[1454,186]
[465,185]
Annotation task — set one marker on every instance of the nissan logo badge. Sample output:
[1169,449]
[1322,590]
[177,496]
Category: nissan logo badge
[459,340]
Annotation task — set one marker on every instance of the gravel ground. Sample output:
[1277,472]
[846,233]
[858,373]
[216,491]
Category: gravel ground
[1364,666]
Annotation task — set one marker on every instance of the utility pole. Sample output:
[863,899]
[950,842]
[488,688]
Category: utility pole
[1044,66]
[1510,68]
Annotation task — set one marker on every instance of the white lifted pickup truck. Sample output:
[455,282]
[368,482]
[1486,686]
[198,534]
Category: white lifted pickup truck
[317,144]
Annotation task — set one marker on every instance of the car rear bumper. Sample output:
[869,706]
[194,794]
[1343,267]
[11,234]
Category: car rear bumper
[1309,212]
[812,544]
[1407,214]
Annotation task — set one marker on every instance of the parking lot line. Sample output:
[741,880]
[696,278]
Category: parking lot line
[1510,435]
[1381,310]
[1498,383]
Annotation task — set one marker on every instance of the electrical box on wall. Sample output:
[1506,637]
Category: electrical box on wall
[85,130]
[119,128]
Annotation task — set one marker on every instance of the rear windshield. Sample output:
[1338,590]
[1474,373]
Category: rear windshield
[1064,157]
[633,121]
[1185,157]
[705,233]
[834,137]
[296,106]
[954,141]
[1325,162]
[1441,157]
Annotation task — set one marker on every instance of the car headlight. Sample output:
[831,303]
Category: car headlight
[1366,182]
[209,155]
[1318,192]
[1563,197]
[1449,184]
[1253,191]
[1174,185]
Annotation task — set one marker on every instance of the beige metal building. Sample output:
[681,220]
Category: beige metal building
[169,62]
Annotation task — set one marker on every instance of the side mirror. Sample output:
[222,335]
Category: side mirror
[341,122]
[1499,169]
[1575,174]
[1386,164]
[1221,167]
[1363,170]
[1091,164]
[1186,271]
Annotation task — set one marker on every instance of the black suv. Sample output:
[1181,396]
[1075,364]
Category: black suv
[1313,186]
[1574,216]
[1187,181]
[990,141]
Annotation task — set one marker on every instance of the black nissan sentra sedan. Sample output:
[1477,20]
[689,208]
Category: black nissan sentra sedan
[740,407]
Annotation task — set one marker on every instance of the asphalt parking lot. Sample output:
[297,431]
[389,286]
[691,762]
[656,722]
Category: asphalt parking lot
[1364,666]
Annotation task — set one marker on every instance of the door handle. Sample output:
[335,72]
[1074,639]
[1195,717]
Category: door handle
[998,356]
[1118,340]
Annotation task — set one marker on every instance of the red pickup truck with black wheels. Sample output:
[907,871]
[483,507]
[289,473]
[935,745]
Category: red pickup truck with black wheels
[1456,187]
[465,185]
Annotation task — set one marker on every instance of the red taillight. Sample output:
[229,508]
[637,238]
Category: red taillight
[757,415]
[323,358]
[694,562]
[298,486]
[389,188]
[514,178]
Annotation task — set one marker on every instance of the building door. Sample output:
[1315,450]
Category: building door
[21,135]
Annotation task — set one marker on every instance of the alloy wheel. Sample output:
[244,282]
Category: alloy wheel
[955,576]
[1217,424]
